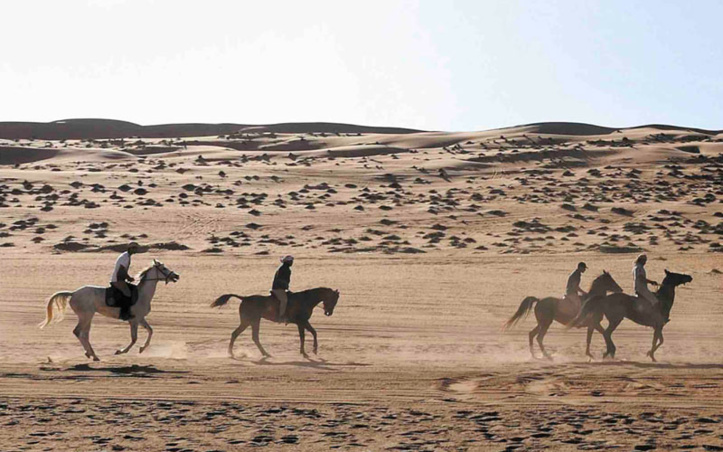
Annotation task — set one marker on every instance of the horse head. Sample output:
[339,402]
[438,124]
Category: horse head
[605,281]
[330,298]
[166,274]
[676,279]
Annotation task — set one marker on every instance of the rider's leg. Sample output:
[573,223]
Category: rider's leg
[280,295]
[125,305]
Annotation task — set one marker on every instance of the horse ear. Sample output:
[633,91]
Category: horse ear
[667,272]
[336,291]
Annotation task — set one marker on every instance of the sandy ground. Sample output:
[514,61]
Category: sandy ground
[433,240]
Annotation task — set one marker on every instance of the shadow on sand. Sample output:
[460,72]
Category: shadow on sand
[122,370]
[650,365]
[320,364]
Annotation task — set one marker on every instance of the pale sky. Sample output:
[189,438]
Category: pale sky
[434,65]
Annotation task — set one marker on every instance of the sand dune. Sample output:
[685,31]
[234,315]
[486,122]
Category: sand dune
[108,128]
[433,240]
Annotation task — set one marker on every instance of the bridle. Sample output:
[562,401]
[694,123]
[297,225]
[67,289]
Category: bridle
[166,276]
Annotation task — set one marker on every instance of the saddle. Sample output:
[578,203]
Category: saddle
[115,298]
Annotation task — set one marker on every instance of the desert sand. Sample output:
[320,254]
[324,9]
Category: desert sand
[432,238]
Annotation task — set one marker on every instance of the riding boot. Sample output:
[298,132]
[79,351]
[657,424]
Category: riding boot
[125,313]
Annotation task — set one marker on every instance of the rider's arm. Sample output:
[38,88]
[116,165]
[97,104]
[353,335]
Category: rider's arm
[285,278]
[123,274]
[284,283]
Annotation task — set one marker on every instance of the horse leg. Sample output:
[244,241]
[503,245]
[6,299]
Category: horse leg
[590,329]
[540,337]
[597,327]
[608,335]
[148,328]
[532,335]
[313,333]
[134,338]
[244,324]
[657,342]
[77,332]
[302,336]
[660,340]
[84,336]
[255,335]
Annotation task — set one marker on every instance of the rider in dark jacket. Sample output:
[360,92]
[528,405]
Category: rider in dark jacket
[282,280]
[573,290]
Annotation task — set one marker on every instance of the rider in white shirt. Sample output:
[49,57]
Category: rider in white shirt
[120,277]
[642,281]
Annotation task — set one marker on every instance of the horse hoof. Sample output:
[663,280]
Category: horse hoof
[95,358]
[119,352]
[142,349]
[316,352]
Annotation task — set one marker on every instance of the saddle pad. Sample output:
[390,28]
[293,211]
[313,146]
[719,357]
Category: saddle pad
[115,298]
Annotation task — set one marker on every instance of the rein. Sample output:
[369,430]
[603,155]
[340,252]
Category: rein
[165,279]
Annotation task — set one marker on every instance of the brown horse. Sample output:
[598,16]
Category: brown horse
[562,310]
[619,306]
[299,309]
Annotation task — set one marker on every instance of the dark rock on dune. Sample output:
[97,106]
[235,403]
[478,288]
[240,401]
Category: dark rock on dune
[71,246]
[622,211]
[497,213]
[169,246]
[619,249]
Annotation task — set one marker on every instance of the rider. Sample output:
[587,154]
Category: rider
[120,278]
[574,292]
[642,281]
[282,279]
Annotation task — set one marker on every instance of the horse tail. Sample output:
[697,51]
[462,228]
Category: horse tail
[590,307]
[223,299]
[522,311]
[60,301]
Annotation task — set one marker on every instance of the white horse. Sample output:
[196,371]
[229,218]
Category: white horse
[88,300]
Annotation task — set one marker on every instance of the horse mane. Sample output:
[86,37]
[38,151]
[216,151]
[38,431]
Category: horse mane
[315,289]
[144,272]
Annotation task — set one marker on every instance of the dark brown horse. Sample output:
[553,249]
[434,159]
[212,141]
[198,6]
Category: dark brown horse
[562,310]
[299,309]
[619,306]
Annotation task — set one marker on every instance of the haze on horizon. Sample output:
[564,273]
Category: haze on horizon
[452,65]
